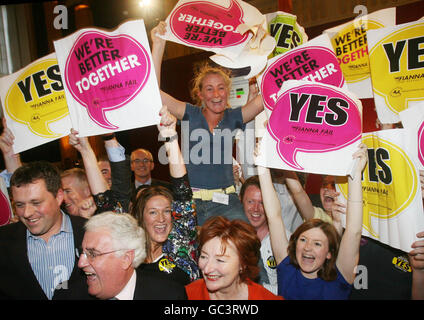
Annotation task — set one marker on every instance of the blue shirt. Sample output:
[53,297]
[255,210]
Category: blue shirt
[52,262]
[6,177]
[115,154]
[292,285]
[209,156]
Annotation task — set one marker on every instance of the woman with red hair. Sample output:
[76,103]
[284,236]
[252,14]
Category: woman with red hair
[229,254]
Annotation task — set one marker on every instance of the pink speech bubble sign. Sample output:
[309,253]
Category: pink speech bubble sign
[421,144]
[105,72]
[313,118]
[207,25]
[5,211]
[318,64]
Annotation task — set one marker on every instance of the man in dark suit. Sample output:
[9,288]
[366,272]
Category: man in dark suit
[123,166]
[38,253]
[142,165]
[112,249]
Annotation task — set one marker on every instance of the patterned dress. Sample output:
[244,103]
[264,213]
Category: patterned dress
[181,246]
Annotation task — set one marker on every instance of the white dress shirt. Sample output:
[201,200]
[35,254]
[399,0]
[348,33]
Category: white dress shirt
[127,293]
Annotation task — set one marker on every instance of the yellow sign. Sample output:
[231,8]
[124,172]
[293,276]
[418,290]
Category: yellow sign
[350,46]
[36,98]
[389,182]
[397,65]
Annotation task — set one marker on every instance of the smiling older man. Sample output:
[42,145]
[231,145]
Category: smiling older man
[76,191]
[112,249]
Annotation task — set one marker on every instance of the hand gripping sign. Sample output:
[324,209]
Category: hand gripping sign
[34,104]
[397,68]
[314,128]
[312,61]
[350,45]
[392,203]
[413,122]
[108,75]
[254,55]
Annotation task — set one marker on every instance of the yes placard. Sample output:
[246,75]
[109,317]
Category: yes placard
[314,128]
[397,68]
[286,31]
[109,79]
[225,27]
[34,104]
[209,25]
[312,61]
[351,47]
[393,210]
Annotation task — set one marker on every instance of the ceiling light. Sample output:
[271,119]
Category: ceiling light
[144,3]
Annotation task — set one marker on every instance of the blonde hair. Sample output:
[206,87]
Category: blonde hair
[204,70]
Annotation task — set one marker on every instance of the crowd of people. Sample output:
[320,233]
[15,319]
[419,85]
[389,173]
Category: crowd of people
[94,233]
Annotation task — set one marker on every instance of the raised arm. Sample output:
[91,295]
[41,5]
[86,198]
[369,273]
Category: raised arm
[300,196]
[254,104]
[120,167]
[337,210]
[348,256]
[272,206]
[158,47]
[175,106]
[181,246]
[416,259]
[12,161]
[177,168]
[96,181]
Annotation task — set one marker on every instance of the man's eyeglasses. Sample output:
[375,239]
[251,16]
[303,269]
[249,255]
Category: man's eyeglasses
[139,161]
[92,254]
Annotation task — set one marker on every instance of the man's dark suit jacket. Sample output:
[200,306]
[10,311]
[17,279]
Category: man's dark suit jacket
[18,281]
[123,185]
[157,288]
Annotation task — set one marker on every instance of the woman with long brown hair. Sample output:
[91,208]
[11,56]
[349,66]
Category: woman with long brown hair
[169,221]
[315,263]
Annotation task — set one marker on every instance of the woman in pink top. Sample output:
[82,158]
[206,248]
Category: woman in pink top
[229,254]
